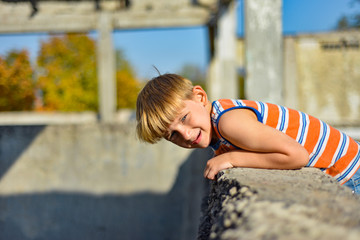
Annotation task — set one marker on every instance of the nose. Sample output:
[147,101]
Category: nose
[185,133]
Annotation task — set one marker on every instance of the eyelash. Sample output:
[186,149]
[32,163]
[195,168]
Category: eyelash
[183,118]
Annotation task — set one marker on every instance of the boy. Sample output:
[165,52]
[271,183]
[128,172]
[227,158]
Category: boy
[243,133]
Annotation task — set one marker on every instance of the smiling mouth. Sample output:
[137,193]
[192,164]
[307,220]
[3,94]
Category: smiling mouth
[198,138]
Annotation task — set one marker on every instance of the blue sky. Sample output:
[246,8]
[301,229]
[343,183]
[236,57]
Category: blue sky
[170,49]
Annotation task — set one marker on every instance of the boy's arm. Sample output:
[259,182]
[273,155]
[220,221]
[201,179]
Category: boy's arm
[262,146]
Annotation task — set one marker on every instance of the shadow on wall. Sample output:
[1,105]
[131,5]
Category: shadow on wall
[14,140]
[61,215]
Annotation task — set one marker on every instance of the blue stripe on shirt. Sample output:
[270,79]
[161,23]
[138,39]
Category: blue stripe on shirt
[282,123]
[303,128]
[321,143]
[354,163]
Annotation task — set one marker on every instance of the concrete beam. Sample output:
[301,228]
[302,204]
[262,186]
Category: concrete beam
[106,69]
[57,16]
[264,52]
[222,81]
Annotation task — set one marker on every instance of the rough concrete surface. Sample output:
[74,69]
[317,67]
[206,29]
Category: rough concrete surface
[279,204]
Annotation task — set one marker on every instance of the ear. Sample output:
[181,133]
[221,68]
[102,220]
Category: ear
[199,95]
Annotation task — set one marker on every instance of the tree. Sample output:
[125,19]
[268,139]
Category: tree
[349,22]
[68,66]
[69,81]
[343,23]
[16,82]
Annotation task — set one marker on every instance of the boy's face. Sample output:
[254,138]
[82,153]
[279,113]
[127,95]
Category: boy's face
[192,126]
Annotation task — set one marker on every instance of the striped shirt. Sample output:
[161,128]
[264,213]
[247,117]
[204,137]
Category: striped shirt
[329,149]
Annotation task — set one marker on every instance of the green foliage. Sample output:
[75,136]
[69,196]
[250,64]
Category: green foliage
[351,21]
[16,83]
[343,23]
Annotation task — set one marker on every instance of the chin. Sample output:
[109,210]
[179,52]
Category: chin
[204,145]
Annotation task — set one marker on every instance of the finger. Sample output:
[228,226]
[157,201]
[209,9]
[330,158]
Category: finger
[206,173]
[207,169]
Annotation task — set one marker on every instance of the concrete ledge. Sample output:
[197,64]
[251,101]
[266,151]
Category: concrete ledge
[56,118]
[279,204]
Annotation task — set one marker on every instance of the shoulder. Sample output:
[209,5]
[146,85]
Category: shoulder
[219,107]
[237,116]
[239,126]
[238,119]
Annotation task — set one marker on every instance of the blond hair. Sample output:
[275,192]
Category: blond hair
[158,104]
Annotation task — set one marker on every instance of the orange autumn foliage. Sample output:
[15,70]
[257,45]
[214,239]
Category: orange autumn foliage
[17,90]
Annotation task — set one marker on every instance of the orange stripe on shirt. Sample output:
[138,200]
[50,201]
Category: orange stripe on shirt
[344,161]
[226,103]
[294,123]
[313,134]
[325,159]
[249,103]
[273,115]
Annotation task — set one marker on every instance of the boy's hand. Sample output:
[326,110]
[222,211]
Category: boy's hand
[215,165]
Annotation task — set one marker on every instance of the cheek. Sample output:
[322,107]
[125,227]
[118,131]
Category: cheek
[204,121]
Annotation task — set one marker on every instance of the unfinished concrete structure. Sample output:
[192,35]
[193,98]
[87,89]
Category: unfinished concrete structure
[108,15]
[263,21]
[81,179]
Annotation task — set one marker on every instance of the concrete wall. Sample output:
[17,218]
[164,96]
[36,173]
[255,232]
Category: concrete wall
[279,204]
[321,75]
[329,76]
[96,181]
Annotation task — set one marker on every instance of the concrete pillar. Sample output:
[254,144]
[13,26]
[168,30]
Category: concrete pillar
[291,94]
[264,53]
[106,69]
[222,82]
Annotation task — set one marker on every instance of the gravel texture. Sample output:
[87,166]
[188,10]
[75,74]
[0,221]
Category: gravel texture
[279,204]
